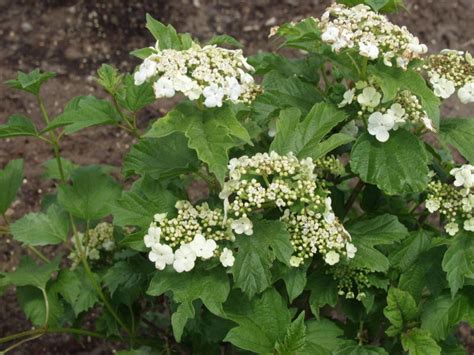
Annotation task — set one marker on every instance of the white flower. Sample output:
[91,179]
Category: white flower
[452,228]
[330,35]
[329,216]
[469,224]
[331,257]
[182,83]
[202,247]
[351,250]
[432,205]
[398,114]
[227,258]
[242,226]
[347,98]
[152,237]
[164,87]
[145,71]
[161,255]
[214,95]
[442,87]
[468,203]
[464,176]
[416,47]
[369,50]
[466,93]
[184,258]
[369,97]
[379,125]
[272,128]
[159,217]
[295,261]
[108,245]
[427,123]
[233,89]
[351,129]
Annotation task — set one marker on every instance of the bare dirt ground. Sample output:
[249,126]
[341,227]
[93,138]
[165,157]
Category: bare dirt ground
[73,37]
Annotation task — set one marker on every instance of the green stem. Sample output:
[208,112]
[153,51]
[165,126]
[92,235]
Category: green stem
[46,306]
[132,127]
[353,197]
[39,254]
[355,64]
[23,341]
[363,72]
[325,78]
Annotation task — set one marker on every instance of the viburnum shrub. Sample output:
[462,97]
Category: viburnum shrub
[331,217]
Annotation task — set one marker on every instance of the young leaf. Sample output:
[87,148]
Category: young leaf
[401,309]
[459,132]
[109,78]
[295,338]
[458,261]
[303,35]
[161,158]
[377,5]
[10,181]
[251,270]
[219,40]
[166,36]
[39,229]
[52,170]
[261,324]
[419,342]
[18,126]
[30,82]
[143,53]
[397,166]
[91,195]
[134,97]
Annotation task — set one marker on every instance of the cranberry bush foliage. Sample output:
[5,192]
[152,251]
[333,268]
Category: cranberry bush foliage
[332,217]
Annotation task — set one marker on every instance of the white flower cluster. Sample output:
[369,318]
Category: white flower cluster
[454,202]
[291,185]
[384,117]
[451,70]
[192,234]
[213,73]
[100,238]
[370,33]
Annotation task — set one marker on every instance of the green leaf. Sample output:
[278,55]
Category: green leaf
[17,126]
[184,312]
[166,36]
[397,166]
[32,302]
[134,97]
[91,195]
[255,255]
[356,349]
[211,133]
[137,206]
[219,40]
[442,314]
[323,337]
[261,324]
[38,229]
[29,273]
[109,78]
[323,291]
[381,230]
[160,158]
[382,6]
[412,247]
[30,82]
[85,111]
[332,142]
[52,169]
[143,53]
[303,138]
[294,279]
[303,35]
[419,342]
[458,261]
[401,309]
[459,132]
[11,178]
[295,338]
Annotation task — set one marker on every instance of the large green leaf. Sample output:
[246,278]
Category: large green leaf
[17,126]
[10,181]
[459,132]
[29,273]
[161,158]
[52,170]
[419,342]
[47,228]
[30,82]
[458,261]
[303,35]
[91,195]
[295,339]
[255,255]
[358,349]
[323,337]
[211,133]
[293,277]
[411,248]
[401,309]
[260,324]
[33,304]
[323,291]
[397,166]
[303,138]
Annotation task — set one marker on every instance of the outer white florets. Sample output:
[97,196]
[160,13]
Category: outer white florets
[370,33]
[454,202]
[213,73]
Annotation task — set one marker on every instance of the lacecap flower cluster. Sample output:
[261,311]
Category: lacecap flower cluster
[212,73]
[404,110]
[370,33]
[258,183]
[449,71]
[454,202]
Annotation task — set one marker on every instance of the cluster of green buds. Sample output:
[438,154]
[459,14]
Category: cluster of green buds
[351,281]
[454,202]
[93,242]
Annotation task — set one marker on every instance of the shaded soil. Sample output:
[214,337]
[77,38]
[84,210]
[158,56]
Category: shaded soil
[73,37]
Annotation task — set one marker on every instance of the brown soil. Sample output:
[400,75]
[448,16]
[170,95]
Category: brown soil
[73,37]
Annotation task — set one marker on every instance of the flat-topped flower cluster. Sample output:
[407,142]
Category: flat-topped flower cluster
[454,202]
[449,71]
[370,33]
[212,73]
[404,110]
[264,181]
